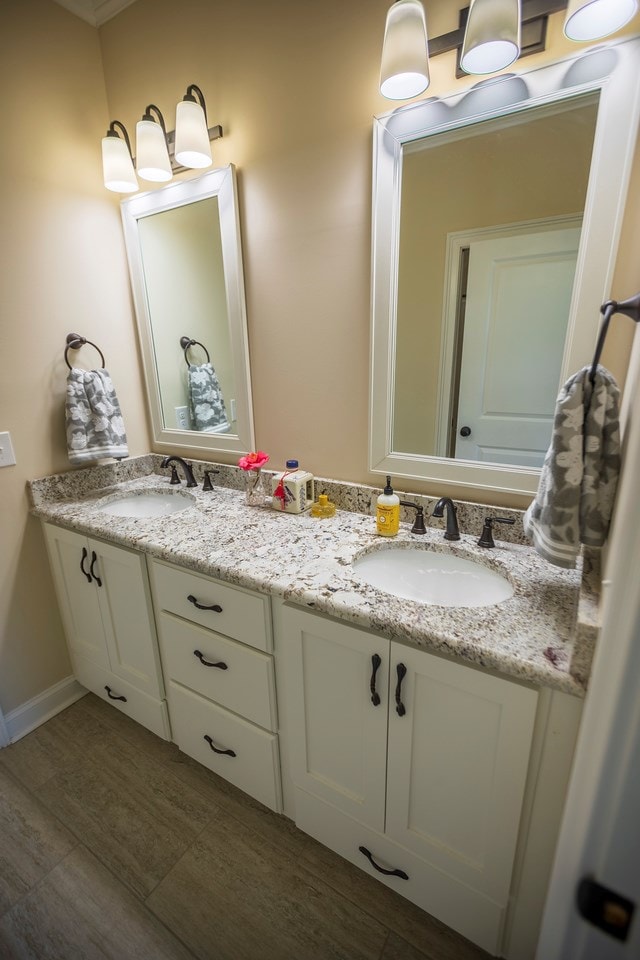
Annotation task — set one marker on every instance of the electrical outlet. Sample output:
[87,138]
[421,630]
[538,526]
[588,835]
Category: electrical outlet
[182,418]
[7,456]
[232,409]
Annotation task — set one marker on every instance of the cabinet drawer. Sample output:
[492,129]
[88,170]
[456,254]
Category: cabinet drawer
[142,708]
[244,681]
[255,768]
[243,615]
[470,913]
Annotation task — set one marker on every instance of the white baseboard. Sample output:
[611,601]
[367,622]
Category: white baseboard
[4,733]
[45,705]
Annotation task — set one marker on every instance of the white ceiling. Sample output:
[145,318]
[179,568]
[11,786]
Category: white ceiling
[95,12]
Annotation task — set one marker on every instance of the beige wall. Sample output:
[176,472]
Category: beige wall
[294,85]
[62,271]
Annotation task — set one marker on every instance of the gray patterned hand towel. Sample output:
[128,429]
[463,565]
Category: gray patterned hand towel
[579,476]
[93,419]
[206,404]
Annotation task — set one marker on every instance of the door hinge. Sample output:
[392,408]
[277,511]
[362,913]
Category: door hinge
[605,909]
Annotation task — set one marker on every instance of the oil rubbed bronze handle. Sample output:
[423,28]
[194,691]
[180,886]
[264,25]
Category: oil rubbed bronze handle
[402,672]
[112,696]
[208,663]
[226,753]
[387,873]
[201,606]
[375,664]
[93,563]
[84,556]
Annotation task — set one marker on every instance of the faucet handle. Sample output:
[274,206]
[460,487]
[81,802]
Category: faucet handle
[486,537]
[418,523]
[207,485]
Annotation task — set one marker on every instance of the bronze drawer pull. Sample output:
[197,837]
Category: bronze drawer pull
[226,753]
[93,563]
[207,663]
[376,660]
[402,672]
[112,696]
[387,873]
[85,554]
[215,607]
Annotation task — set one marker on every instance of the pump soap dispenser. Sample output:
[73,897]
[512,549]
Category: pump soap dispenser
[388,512]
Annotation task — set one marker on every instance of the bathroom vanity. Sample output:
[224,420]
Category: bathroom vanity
[429,746]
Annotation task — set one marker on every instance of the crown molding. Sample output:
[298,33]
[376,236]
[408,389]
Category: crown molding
[95,12]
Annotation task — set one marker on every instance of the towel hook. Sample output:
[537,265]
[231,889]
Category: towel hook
[630,308]
[187,342]
[74,342]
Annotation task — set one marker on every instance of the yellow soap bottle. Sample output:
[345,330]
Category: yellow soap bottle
[323,507]
[388,512]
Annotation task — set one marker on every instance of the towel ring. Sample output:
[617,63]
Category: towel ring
[630,308]
[74,342]
[187,342]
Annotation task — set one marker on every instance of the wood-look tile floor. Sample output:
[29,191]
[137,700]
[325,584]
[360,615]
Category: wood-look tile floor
[116,846]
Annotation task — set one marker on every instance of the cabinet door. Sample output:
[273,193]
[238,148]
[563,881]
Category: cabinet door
[458,761]
[125,603]
[338,736]
[70,557]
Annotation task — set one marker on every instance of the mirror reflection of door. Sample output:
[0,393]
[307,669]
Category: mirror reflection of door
[527,172]
[512,323]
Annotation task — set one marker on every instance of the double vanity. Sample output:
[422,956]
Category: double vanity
[428,744]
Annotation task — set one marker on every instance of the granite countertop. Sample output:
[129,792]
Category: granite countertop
[535,635]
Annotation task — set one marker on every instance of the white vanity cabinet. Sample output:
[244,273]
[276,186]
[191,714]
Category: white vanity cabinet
[105,603]
[409,765]
[216,648]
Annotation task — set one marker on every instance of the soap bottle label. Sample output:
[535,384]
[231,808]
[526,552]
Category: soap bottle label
[387,520]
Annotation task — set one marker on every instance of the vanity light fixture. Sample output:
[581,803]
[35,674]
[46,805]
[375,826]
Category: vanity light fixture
[192,136]
[117,162]
[493,33]
[594,19]
[157,160]
[492,37]
[404,71]
[152,155]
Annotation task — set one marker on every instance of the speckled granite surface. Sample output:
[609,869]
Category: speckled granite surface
[531,636]
[588,617]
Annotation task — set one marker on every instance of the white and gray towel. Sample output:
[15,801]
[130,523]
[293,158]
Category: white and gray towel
[579,476]
[93,419]
[206,403]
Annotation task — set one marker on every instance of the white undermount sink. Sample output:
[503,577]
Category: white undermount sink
[444,579]
[151,503]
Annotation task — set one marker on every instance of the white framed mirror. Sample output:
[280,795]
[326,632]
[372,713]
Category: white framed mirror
[185,260]
[496,218]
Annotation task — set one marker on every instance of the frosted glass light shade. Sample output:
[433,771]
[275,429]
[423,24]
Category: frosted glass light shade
[593,19]
[117,166]
[492,37]
[192,137]
[152,156]
[404,71]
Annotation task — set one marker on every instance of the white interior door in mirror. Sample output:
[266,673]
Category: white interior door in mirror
[185,259]
[518,293]
[595,94]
